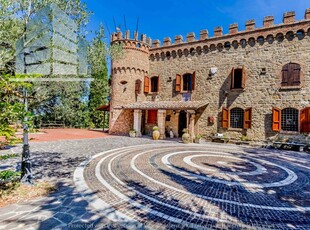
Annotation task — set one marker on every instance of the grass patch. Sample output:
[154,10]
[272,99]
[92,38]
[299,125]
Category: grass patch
[8,156]
[15,192]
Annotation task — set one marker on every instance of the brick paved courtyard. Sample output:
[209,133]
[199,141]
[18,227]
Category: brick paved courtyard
[122,182]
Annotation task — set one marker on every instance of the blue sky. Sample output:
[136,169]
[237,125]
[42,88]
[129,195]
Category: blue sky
[159,19]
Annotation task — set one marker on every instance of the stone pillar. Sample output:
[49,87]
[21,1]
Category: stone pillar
[177,117]
[137,115]
[161,121]
[191,126]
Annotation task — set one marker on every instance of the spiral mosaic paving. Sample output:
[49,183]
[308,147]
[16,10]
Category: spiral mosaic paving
[198,186]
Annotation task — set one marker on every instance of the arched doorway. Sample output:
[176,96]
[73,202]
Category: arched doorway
[182,122]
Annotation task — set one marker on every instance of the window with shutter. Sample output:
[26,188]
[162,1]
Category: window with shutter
[146,84]
[236,118]
[305,120]
[247,118]
[154,84]
[276,119]
[187,82]
[178,83]
[289,119]
[194,80]
[138,86]
[291,75]
[243,78]
[296,74]
[238,78]
[225,118]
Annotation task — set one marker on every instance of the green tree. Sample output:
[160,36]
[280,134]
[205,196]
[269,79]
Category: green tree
[99,87]
[14,16]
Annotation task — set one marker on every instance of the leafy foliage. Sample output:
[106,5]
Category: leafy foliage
[99,87]
[8,156]
[9,175]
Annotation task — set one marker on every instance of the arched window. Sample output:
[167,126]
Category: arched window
[154,84]
[289,119]
[138,86]
[291,75]
[236,118]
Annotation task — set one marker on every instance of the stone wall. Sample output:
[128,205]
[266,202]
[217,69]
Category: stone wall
[261,51]
[133,65]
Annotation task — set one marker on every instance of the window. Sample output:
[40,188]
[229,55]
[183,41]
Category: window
[291,75]
[154,84]
[238,78]
[152,116]
[151,85]
[185,83]
[237,118]
[287,119]
[138,86]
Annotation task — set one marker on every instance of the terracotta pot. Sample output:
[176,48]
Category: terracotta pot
[186,138]
[156,134]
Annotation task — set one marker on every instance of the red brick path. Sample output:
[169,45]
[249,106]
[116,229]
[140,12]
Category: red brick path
[65,134]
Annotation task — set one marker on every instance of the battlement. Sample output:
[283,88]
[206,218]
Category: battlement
[288,26]
[143,44]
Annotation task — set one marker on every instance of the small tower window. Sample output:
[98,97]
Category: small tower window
[154,84]
[238,78]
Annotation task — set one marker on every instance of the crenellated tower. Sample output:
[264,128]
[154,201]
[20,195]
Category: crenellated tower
[128,74]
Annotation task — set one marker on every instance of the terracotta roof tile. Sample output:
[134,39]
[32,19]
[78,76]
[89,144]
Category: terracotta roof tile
[147,105]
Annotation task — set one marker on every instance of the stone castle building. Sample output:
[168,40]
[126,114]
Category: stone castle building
[254,82]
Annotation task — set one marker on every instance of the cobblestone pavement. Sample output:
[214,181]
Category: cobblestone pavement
[133,183]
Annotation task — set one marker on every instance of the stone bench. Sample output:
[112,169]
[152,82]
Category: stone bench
[219,139]
[295,146]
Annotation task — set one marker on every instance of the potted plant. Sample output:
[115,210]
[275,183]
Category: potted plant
[132,133]
[198,138]
[185,137]
[156,133]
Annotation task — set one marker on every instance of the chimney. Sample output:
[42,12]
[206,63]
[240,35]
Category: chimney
[250,25]
[307,14]
[289,17]
[167,41]
[268,21]
[190,37]
[119,35]
[156,43]
[135,36]
[178,39]
[204,34]
[143,38]
[127,35]
[149,41]
[218,31]
[233,28]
